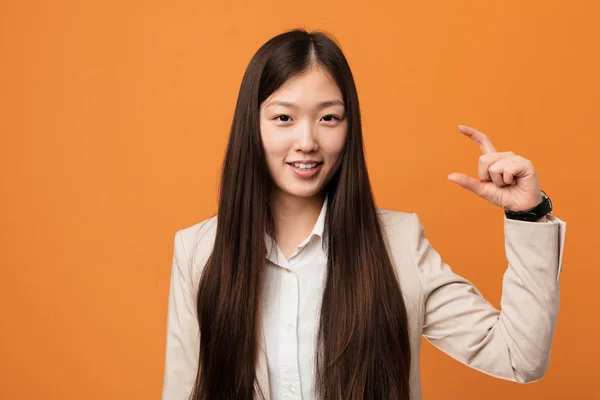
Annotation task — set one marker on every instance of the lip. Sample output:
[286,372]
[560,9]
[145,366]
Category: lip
[306,162]
[306,174]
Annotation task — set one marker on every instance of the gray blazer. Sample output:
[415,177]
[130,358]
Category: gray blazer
[443,307]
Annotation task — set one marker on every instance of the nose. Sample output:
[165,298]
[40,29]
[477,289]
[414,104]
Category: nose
[307,142]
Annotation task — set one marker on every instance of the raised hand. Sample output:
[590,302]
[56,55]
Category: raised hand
[505,179]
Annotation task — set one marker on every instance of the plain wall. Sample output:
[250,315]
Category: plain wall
[114,119]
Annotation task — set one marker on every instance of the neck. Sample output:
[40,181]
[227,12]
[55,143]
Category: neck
[294,216]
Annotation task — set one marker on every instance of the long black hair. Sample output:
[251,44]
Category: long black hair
[363,349]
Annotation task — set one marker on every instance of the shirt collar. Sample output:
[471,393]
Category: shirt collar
[318,230]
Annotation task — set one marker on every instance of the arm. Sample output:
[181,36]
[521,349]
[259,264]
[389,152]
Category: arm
[512,343]
[182,342]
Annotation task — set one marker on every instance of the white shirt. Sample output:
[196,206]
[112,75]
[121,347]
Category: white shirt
[292,294]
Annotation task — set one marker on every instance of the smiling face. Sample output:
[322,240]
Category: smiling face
[303,127]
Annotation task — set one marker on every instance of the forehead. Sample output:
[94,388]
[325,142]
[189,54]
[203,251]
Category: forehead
[314,86]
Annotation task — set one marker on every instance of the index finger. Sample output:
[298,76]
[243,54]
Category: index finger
[478,137]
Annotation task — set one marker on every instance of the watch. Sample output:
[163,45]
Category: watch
[537,212]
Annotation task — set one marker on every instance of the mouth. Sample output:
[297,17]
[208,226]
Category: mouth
[305,170]
[305,166]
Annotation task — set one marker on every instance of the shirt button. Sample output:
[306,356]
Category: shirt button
[292,389]
[289,327]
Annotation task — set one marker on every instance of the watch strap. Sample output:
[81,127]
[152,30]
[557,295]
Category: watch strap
[537,212]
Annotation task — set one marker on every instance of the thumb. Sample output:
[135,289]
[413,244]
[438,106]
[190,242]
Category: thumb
[466,181]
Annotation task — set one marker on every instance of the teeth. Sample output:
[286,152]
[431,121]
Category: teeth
[304,166]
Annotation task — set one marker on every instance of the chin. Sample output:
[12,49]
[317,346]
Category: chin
[302,192]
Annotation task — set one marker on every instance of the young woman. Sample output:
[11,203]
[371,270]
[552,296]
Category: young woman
[301,288]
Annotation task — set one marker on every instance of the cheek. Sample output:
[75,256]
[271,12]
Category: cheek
[275,144]
[333,144]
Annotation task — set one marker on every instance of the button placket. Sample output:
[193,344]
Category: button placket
[290,373]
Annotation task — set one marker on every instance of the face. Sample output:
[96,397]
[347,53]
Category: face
[303,127]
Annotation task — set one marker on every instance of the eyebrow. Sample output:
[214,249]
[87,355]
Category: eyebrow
[322,104]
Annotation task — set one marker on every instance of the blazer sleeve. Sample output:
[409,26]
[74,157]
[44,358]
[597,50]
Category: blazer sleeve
[182,340]
[512,343]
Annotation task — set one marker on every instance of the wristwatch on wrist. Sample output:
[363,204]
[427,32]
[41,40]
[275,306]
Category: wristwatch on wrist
[537,212]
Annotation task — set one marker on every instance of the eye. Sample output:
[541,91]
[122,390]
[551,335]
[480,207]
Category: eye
[286,118]
[327,118]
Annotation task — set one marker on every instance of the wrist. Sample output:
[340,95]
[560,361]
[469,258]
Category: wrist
[536,214]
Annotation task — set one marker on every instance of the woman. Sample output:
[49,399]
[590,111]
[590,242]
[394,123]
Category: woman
[301,288]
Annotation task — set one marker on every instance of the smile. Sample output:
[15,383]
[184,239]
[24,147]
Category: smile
[305,166]
[306,170]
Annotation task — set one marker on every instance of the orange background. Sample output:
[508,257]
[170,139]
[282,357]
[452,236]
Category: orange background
[114,121]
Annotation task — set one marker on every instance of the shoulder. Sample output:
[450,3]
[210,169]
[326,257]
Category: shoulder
[404,233]
[200,234]
[399,224]
[195,242]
